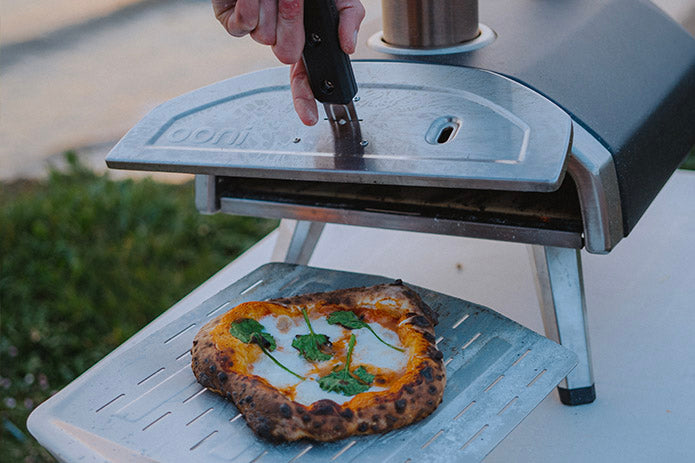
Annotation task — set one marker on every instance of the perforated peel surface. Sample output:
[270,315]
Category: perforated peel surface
[146,400]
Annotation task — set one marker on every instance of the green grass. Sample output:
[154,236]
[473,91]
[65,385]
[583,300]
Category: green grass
[85,262]
[689,162]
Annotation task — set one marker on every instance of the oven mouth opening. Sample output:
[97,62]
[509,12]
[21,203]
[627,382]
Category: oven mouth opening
[555,211]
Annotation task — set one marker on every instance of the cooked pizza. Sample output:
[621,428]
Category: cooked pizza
[325,366]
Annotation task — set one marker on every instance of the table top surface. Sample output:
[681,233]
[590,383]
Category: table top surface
[640,315]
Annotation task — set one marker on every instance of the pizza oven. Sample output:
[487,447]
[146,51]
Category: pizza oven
[553,124]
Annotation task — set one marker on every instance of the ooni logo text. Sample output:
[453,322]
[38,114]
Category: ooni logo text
[208,136]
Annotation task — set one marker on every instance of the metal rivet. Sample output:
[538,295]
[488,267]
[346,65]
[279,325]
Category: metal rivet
[356,99]
[327,87]
[315,39]
[364,143]
[296,140]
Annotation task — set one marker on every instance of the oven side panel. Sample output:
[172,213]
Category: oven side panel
[622,68]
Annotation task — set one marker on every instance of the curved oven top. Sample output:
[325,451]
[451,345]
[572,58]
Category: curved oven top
[420,125]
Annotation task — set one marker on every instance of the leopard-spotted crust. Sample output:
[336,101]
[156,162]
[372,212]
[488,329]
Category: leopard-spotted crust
[274,416]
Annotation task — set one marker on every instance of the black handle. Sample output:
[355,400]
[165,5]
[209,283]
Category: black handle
[328,66]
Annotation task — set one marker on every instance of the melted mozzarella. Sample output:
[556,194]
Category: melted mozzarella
[321,326]
[285,353]
[368,351]
[308,392]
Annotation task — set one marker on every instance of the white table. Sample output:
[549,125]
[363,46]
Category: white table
[641,308]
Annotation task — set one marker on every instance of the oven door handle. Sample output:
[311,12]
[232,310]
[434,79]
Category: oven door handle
[328,66]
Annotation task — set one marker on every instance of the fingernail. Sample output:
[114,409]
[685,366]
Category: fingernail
[354,41]
[310,115]
[313,118]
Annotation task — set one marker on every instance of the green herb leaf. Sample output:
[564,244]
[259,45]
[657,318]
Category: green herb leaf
[350,321]
[364,375]
[347,319]
[244,328]
[309,345]
[249,331]
[344,382]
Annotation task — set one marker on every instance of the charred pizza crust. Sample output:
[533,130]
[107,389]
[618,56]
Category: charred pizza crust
[272,415]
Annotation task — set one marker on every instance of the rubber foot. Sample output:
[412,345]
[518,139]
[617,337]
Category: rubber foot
[579,396]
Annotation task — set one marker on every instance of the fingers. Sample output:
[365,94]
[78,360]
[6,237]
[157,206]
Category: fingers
[289,31]
[351,16]
[224,11]
[280,23]
[267,19]
[246,15]
[302,96]
[239,17]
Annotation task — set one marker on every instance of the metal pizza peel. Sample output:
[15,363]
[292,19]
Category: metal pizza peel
[144,403]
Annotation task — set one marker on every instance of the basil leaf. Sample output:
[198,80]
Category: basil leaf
[342,381]
[349,320]
[244,329]
[264,339]
[309,346]
[249,331]
[364,375]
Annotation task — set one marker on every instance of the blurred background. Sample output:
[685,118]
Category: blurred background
[77,74]
[88,257]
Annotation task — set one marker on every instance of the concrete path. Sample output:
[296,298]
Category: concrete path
[77,74]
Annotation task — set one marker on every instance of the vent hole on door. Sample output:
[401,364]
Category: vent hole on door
[443,130]
[445,134]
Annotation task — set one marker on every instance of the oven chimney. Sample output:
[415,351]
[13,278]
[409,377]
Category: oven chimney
[423,24]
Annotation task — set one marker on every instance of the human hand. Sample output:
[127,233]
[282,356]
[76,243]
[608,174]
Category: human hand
[280,24]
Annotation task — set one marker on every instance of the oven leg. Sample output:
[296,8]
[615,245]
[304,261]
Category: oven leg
[560,290]
[296,241]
